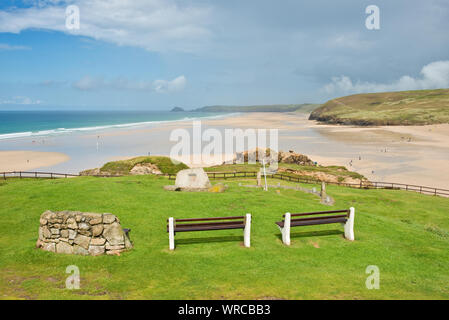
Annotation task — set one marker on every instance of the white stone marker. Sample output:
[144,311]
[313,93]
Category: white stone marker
[247,231]
[349,225]
[171,233]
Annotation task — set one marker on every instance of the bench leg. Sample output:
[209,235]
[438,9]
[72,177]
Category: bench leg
[286,229]
[247,231]
[171,233]
[349,225]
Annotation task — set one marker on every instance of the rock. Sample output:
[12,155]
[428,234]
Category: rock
[96,221]
[192,179]
[97,230]
[113,233]
[71,223]
[83,226]
[64,247]
[80,250]
[46,232]
[108,218]
[43,221]
[49,246]
[113,252]
[64,233]
[72,234]
[97,241]
[145,168]
[82,241]
[54,231]
[128,244]
[109,247]
[96,250]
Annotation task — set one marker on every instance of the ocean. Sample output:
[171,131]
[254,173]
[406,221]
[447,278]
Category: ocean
[16,124]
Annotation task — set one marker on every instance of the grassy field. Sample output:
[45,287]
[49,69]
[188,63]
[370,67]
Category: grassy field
[389,108]
[403,233]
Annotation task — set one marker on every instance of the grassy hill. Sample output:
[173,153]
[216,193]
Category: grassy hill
[123,167]
[389,108]
[405,234]
[306,107]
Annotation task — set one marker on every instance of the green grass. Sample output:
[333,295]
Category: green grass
[405,234]
[340,172]
[123,167]
[419,107]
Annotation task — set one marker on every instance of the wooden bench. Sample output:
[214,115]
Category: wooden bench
[207,224]
[345,217]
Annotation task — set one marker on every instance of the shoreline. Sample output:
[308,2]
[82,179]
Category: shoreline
[402,154]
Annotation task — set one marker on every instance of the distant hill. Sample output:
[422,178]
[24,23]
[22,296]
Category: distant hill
[177,109]
[261,108]
[418,107]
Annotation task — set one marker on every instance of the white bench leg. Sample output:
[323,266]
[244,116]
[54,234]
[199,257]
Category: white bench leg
[349,225]
[286,229]
[247,231]
[171,233]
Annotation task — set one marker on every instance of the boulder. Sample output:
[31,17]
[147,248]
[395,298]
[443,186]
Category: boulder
[192,179]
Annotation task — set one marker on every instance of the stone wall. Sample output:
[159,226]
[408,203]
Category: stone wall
[84,233]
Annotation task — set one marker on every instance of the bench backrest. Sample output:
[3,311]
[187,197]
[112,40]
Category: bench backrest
[213,222]
[319,215]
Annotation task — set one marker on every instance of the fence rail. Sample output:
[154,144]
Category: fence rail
[253,174]
[361,185]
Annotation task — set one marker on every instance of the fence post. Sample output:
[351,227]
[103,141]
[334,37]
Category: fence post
[20,174]
[4,175]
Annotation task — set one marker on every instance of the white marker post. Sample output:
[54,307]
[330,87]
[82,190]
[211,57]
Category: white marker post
[171,233]
[349,225]
[247,231]
[286,229]
[265,175]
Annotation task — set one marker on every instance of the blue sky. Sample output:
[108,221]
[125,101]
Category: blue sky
[156,54]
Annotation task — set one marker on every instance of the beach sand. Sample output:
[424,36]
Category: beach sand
[403,154]
[28,160]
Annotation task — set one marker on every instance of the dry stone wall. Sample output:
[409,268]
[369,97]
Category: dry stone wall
[84,233]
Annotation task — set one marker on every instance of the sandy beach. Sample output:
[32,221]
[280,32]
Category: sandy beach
[28,160]
[403,154]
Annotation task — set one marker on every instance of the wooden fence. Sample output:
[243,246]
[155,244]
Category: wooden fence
[361,185]
[253,174]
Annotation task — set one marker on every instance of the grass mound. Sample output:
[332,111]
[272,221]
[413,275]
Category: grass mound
[418,107]
[123,167]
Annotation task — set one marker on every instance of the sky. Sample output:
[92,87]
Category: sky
[158,54]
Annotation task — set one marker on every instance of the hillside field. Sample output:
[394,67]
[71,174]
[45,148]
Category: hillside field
[419,107]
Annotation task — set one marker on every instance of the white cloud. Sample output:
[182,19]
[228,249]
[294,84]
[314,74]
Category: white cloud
[20,100]
[8,47]
[155,25]
[160,86]
[433,76]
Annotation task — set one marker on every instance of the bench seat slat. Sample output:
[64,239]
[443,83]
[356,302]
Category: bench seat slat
[301,222]
[209,227]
